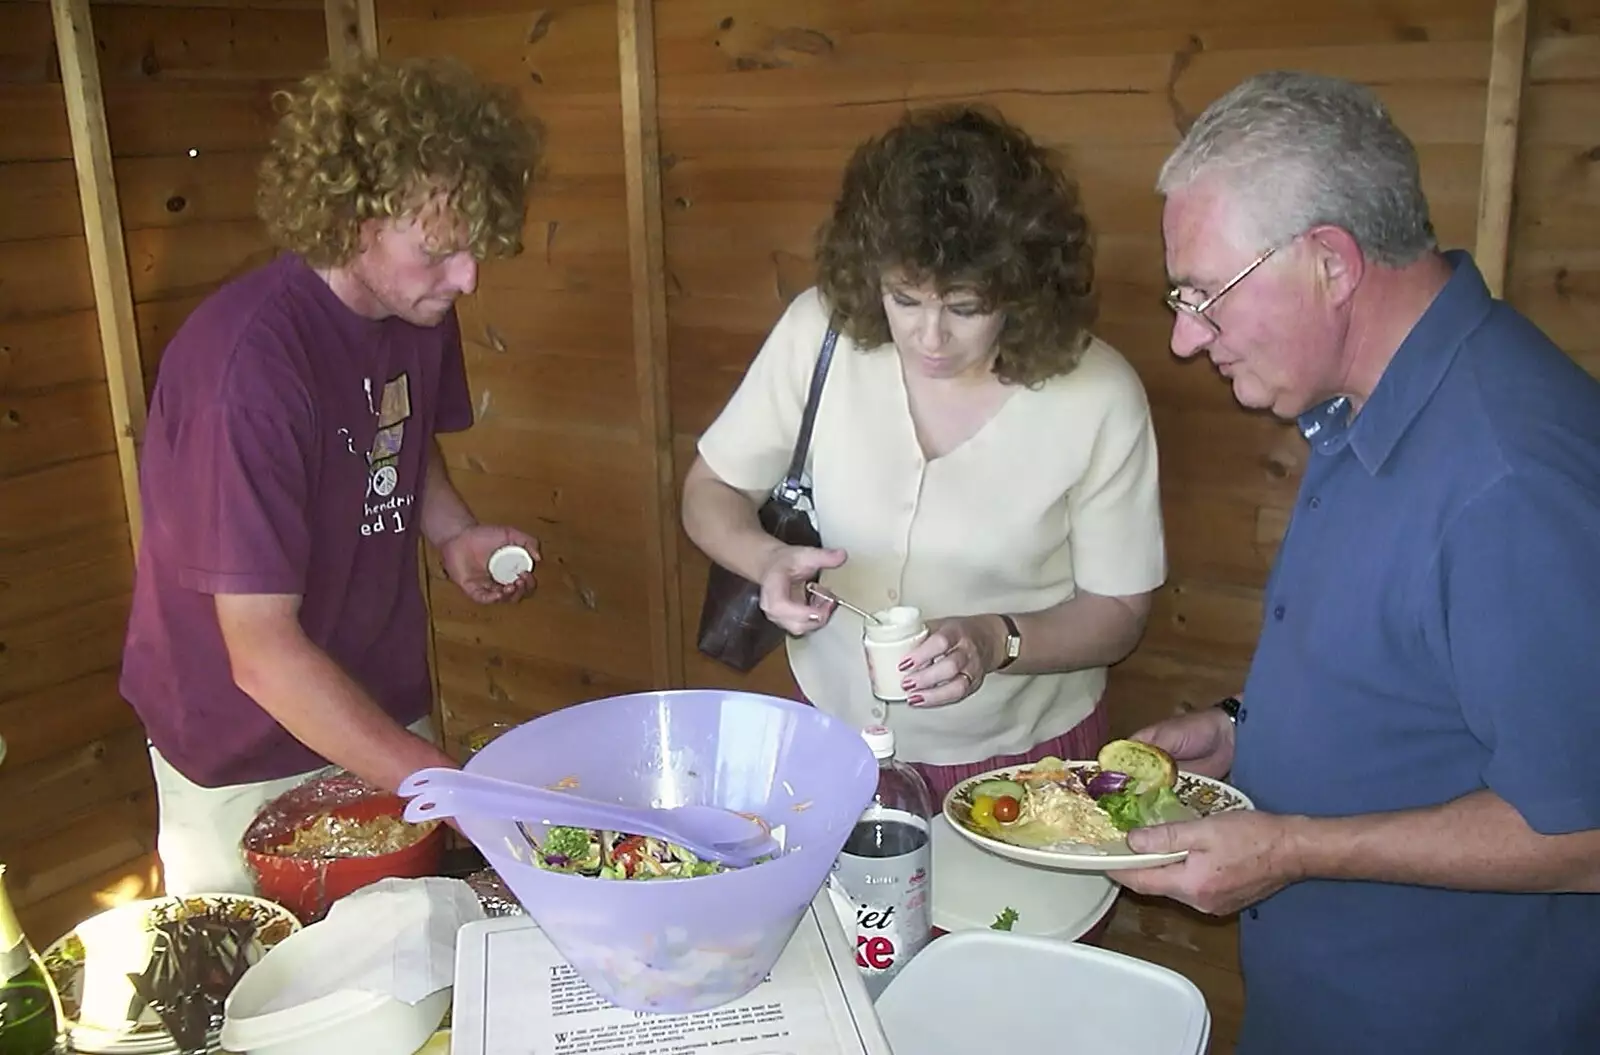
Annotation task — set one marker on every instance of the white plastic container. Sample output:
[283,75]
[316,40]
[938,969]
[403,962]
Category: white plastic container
[509,562]
[338,1023]
[1059,997]
[897,631]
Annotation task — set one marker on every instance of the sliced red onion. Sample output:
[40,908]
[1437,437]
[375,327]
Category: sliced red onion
[1106,782]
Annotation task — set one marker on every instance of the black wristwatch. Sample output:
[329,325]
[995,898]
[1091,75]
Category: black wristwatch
[1013,642]
[1229,705]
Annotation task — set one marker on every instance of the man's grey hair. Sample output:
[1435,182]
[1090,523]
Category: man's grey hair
[1300,150]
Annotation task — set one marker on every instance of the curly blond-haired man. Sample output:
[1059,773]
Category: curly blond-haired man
[290,464]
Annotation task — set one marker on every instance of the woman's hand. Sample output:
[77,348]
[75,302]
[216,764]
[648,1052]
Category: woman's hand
[783,587]
[951,662]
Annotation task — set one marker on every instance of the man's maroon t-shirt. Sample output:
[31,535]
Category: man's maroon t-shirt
[285,454]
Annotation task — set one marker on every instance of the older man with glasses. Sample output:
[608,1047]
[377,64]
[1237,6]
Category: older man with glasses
[1421,719]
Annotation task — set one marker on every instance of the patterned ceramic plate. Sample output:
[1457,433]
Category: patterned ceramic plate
[144,1034]
[1205,795]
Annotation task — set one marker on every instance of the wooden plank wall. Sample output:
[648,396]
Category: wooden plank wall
[1555,242]
[187,102]
[559,448]
[759,105]
[762,101]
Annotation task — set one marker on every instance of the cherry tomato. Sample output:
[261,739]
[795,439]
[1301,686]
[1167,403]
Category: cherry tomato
[628,854]
[1006,809]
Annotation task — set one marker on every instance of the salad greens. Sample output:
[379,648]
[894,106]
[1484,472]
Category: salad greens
[1130,809]
[1005,920]
[614,855]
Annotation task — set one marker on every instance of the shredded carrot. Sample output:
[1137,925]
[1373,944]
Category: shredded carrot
[765,827]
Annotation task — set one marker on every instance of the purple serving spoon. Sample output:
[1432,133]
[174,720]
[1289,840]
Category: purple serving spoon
[709,832]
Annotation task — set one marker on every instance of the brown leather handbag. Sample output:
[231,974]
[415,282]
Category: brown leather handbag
[733,628]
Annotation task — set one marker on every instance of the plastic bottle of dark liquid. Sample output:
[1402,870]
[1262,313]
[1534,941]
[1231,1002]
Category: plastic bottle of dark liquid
[886,868]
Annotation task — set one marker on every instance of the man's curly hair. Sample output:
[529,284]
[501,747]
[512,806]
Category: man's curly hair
[958,198]
[381,139]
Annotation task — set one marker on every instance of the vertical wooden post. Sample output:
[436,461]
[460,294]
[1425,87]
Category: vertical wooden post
[353,35]
[1497,184]
[102,229]
[641,148]
[352,31]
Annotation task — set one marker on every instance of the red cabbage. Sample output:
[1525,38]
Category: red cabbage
[1106,782]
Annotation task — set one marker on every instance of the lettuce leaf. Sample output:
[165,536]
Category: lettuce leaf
[1123,809]
[1162,806]
[1130,809]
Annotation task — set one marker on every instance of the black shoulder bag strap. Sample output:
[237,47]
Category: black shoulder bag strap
[791,488]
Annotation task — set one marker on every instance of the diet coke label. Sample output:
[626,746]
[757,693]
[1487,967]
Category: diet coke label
[884,873]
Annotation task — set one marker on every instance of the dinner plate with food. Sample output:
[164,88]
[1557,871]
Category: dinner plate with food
[1076,815]
[136,977]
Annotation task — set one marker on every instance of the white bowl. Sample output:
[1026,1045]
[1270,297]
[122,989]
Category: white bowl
[336,1023]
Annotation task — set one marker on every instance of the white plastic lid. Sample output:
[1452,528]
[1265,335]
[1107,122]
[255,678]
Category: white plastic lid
[881,739]
[1061,995]
[900,623]
[508,562]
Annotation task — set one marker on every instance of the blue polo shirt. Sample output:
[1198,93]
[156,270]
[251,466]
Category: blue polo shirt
[1430,630]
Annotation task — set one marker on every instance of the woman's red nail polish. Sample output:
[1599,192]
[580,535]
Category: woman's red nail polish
[914,700]
[905,664]
[905,683]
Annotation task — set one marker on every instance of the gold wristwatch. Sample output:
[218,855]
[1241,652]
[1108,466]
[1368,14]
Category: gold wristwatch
[1013,642]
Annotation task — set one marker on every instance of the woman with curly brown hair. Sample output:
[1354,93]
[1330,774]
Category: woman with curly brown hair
[977,453]
[290,464]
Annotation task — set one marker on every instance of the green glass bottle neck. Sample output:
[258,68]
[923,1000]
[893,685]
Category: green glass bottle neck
[14,950]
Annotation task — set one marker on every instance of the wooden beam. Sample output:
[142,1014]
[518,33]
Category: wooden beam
[258,5]
[1497,184]
[352,35]
[641,148]
[102,228]
[352,31]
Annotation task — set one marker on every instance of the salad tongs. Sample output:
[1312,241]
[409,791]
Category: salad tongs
[711,833]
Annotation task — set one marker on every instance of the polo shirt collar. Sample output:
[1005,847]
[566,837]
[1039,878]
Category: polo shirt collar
[1411,377]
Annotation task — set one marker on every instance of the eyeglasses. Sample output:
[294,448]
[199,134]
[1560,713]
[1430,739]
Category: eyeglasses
[1199,311]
